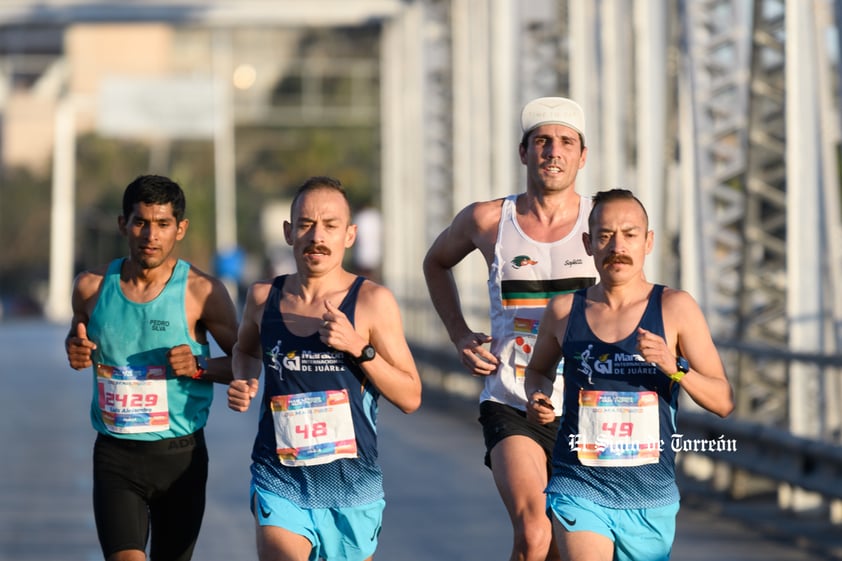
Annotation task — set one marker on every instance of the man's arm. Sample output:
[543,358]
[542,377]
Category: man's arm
[77,345]
[473,228]
[690,337]
[377,322]
[209,302]
[246,360]
[541,370]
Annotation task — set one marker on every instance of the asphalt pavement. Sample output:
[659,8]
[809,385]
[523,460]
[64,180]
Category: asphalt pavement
[441,500]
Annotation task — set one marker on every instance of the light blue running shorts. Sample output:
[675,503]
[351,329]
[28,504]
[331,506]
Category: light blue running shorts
[644,533]
[337,534]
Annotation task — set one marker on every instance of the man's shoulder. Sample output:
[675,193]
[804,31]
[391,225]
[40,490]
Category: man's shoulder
[197,275]
[258,291]
[194,271]
[369,287]
[203,286]
[371,295]
[98,271]
[563,302]
[91,279]
[486,214]
[670,293]
[676,299]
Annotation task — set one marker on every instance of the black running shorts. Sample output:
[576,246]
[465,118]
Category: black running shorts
[500,421]
[155,487]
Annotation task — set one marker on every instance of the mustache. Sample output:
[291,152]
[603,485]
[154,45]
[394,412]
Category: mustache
[318,249]
[617,258]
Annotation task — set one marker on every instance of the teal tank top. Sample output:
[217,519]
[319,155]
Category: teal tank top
[135,393]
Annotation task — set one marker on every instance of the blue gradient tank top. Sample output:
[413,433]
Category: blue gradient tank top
[613,445]
[305,366]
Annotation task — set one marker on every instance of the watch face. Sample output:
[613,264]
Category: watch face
[368,353]
[682,364]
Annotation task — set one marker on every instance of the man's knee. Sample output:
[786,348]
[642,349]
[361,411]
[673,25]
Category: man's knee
[533,534]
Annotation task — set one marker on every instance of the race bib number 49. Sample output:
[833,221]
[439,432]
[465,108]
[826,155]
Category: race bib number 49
[313,428]
[617,428]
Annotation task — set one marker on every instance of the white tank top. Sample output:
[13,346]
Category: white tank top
[524,276]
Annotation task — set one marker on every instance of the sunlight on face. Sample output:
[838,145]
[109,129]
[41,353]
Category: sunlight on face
[320,231]
[618,238]
[152,231]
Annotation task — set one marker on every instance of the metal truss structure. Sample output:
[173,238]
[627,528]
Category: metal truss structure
[765,187]
[727,216]
[721,114]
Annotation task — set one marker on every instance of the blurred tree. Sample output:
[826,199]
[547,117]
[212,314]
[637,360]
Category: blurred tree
[271,161]
[24,235]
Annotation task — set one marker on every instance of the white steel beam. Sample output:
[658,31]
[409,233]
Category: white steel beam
[584,86]
[471,135]
[804,297]
[504,131]
[650,30]
[403,151]
[63,211]
[803,197]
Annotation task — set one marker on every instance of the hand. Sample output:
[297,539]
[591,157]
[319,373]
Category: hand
[653,349]
[539,408]
[182,361]
[336,331]
[241,392]
[478,360]
[79,348]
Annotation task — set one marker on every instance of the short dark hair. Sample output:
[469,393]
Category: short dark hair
[613,195]
[154,190]
[315,183]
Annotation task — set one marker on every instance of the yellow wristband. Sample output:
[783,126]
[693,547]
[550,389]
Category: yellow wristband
[677,376]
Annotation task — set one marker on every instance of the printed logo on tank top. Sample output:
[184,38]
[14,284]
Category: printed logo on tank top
[314,361]
[159,324]
[274,355]
[616,364]
[522,261]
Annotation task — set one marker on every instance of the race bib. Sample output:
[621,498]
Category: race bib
[133,399]
[313,428]
[526,333]
[617,428]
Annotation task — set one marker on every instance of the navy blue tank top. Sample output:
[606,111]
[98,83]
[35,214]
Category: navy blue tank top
[295,365]
[611,376]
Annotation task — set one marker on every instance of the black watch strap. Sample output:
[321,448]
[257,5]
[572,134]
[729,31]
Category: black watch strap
[368,354]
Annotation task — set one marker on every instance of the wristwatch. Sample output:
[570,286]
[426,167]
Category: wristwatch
[682,367]
[201,366]
[367,354]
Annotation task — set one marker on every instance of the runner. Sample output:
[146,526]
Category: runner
[331,343]
[141,323]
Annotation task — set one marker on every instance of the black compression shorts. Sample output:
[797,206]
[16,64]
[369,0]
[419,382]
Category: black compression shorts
[143,488]
[500,421]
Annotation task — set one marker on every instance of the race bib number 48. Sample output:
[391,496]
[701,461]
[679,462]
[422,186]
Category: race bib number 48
[313,428]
